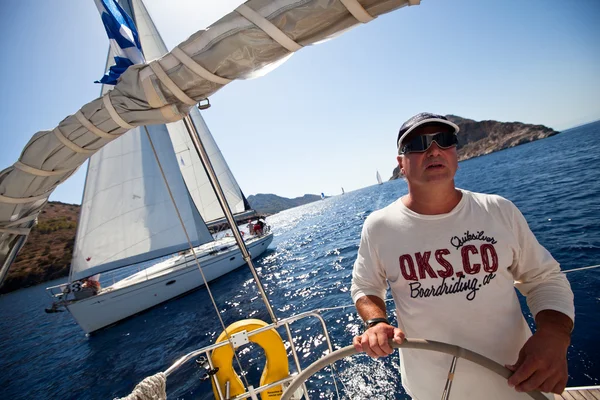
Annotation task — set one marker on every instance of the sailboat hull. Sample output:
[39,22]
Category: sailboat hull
[158,284]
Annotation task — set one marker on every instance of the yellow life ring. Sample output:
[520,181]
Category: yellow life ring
[276,367]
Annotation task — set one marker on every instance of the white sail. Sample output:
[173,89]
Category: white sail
[195,175]
[191,167]
[379,181]
[127,215]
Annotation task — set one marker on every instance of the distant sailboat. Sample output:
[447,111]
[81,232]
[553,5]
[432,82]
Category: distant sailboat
[379,181]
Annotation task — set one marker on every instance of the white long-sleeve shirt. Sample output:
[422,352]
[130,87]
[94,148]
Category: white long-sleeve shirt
[452,277]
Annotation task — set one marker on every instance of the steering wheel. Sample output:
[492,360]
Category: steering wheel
[419,344]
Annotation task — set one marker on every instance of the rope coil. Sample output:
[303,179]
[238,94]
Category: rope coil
[151,388]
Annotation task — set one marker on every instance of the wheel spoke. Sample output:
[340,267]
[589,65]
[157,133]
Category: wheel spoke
[446,394]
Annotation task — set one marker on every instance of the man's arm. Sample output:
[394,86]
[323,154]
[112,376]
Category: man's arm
[370,307]
[374,341]
[368,291]
[542,362]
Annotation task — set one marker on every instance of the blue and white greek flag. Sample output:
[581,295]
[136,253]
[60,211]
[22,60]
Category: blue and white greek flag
[123,37]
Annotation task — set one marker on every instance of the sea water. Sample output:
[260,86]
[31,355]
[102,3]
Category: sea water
[555,182]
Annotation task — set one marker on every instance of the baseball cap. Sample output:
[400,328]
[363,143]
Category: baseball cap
[421,119]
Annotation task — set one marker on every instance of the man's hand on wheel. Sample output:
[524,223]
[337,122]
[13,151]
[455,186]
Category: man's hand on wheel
[374,341]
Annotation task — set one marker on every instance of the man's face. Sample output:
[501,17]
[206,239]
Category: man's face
[435,164]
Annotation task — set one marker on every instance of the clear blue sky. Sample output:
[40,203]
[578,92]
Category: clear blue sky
[328,117]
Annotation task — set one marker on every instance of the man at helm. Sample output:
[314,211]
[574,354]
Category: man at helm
[452,259]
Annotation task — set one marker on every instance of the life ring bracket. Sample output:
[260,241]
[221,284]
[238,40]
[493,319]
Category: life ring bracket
[240,339]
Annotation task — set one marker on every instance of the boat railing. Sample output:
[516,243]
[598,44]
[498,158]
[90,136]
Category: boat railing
[57,291]
[70,292]
[246,233]
[251,391]
[65,291]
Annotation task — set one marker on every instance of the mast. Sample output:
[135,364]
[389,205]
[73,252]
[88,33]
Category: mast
[103,89]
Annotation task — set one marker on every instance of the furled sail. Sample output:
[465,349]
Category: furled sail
[192,170]
[257,35]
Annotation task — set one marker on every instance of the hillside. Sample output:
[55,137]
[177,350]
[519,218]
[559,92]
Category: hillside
[272,204]
[477,138]
[47,252]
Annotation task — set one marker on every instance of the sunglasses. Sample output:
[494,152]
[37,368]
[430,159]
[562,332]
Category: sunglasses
[421,143]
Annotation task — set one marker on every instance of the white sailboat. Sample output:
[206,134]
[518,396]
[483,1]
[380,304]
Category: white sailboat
[379,181]
[128,216]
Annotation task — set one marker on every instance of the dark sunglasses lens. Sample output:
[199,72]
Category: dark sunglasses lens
[422,142]
[444,139]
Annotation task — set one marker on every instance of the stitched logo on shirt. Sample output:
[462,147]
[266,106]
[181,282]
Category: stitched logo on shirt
[455,279]
[457,242]
[471,286]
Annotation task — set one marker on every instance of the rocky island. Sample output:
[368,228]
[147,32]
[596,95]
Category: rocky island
[272,204]
[477,138]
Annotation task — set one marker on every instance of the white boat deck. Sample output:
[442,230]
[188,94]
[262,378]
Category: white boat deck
[580,393]
[178,262]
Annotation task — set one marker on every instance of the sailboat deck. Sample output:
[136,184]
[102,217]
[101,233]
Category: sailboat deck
[580,393]
[176,263]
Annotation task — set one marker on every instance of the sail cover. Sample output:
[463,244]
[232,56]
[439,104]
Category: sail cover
[189,162]
[257,35]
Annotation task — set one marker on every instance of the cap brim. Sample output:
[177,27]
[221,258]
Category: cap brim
[428,121]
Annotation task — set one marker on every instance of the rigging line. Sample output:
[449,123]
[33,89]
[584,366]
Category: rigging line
[581,269]
[212,299]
